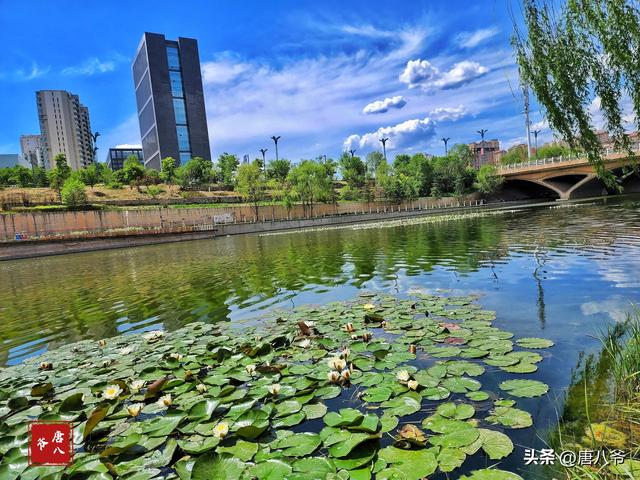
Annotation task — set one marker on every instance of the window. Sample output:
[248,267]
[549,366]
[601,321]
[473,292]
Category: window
[150,142]
[183,138]
[173,57]
[180,111]
[143,92]
[176,84]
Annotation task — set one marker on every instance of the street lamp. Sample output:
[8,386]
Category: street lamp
[95,146]
[384,147]
[352,152]
[263,151]
[446,140]
[482,132]
[275,140]
[535,136]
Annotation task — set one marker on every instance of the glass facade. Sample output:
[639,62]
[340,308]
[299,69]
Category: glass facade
[179,108]
[176,83]
[180,111]
[117,156]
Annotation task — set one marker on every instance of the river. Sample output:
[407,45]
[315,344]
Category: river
[564,273]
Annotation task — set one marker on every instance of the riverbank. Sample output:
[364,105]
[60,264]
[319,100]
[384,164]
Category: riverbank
[133,237]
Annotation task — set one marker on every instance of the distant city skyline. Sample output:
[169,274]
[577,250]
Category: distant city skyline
[324,77]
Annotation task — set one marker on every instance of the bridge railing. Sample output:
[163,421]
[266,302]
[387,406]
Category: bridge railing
[560,159]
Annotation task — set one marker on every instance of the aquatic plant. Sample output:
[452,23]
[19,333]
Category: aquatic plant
[215,401]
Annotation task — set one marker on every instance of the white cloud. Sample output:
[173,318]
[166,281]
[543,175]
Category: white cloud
[408,133]
[90,67]
[126,133]
[615,307]
[22,75]
[473,39]
[223,70]
[382,106]
[421,73]
[448,114]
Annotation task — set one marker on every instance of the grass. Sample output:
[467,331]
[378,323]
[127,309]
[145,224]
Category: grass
[602,409]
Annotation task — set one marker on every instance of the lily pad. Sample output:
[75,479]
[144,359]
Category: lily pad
[524,388]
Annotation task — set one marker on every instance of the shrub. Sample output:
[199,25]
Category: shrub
[73,193]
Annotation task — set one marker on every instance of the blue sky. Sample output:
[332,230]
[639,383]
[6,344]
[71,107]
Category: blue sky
[323,75]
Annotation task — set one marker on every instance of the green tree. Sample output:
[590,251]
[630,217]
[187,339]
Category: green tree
[251,182]
[515,154]
[398,186]
[401,162]
[421,169]
[373,161]
[39,177]
[89,175]
[21,176]
[196,171]
[61,164]
[553,150]
[168,170]
[572,53]
[73,193]
[132,171]
[311,183]
[488,180]
[352,170]
[228,164]
[279,169]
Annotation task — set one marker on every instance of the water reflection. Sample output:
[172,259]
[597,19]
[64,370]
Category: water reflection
[576,256]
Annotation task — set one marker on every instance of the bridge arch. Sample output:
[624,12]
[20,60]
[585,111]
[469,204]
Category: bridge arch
[526,189]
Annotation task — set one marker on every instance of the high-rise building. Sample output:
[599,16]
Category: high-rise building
[9,160]
[32,155]
[64,128]
[118,154]
[170,100]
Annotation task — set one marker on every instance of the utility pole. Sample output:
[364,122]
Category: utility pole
[384,147]
[263,151]
[446,140]
[275,140]
[525,91]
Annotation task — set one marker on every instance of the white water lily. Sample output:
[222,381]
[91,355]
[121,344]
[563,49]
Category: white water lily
[102,343]
[309,324]
[137,385]
[403,375]
[305,343]
[176,356]
[366,336]
[369,306]
[165,401]
[125,351]
[221,430]
[153,335]
[349,328]
[333,376]
[412,384]
[274,389]
[135,409]
[337,363]
[46,366]
[111,392]
[251,368]
[201,388]
[345,353]
[345,375]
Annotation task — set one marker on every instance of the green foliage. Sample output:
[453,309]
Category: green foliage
[20,176]
[516,154]
[73,192]
[352,170]
[373,161]
[311,183]
[279,169]
[553,150]
[251,182]
[90,175]
[349,193]
[196,171]
[228,164]
[61,164]
[154,191]
[168,170]
[39,177]
[132,171]
[398,186]
[488,181]
[56,179]
[571,54]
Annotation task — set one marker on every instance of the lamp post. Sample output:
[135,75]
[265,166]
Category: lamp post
[263,151]
[275,140]
[95,146]
[383,140]
[480,161]
[352,152]
[535,136]
[446,140]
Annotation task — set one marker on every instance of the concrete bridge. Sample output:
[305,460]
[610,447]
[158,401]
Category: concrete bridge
[565,177]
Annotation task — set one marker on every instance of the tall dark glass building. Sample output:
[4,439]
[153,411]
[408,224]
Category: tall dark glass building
[170,100]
